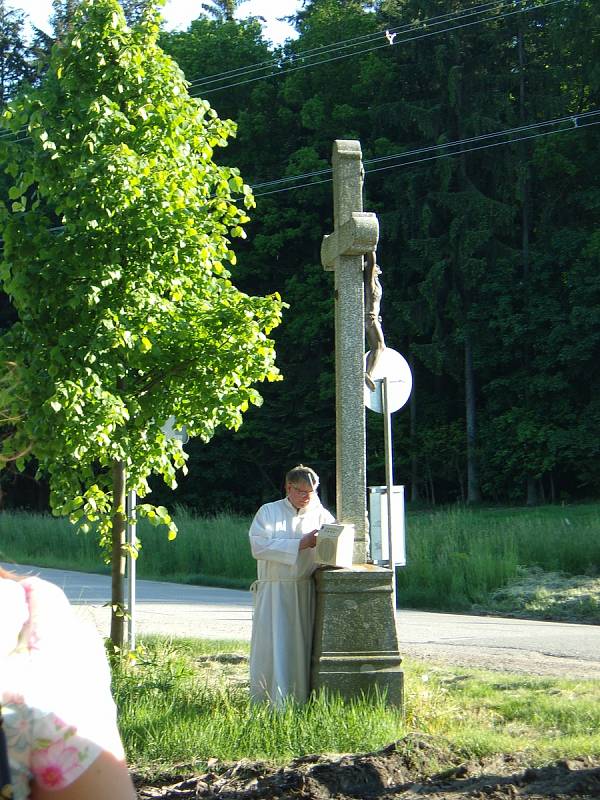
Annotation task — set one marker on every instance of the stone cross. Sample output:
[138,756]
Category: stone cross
[355,233]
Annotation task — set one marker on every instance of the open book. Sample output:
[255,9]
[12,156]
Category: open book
[335,544]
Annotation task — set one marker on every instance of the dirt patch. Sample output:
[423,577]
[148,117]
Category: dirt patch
[407,769]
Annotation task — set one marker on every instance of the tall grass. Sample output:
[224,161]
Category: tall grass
[207,550]
[455,556]
[47,542]
[170,711]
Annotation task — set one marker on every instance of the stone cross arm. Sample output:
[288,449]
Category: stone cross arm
[355,237]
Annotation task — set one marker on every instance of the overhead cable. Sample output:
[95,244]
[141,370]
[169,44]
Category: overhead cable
[588,118]
[574,119]
[341,44]
[422,35]
[483,8]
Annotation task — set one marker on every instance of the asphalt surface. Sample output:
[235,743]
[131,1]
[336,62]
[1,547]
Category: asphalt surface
[515,645]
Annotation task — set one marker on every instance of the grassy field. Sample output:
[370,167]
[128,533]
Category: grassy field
[207,550]
[458,558]
[186,701]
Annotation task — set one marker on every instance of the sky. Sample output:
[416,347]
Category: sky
[179,13]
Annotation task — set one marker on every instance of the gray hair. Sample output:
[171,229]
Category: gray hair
[302,474]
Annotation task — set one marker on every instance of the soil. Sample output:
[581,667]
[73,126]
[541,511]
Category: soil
[405,769]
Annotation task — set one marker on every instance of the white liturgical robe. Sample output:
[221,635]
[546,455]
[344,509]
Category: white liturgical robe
[282,626]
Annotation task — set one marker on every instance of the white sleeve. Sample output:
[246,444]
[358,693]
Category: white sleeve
[326,517]
[266,545]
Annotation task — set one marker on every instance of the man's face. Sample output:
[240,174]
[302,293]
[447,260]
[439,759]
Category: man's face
[300,494]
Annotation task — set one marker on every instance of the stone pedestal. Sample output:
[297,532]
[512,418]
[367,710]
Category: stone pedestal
[355,645]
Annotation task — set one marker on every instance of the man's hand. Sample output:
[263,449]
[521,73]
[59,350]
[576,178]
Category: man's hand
[308,540]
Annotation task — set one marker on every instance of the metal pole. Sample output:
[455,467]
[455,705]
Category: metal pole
[389,479]
[131,541]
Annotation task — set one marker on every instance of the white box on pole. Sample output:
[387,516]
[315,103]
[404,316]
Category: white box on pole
[378,525]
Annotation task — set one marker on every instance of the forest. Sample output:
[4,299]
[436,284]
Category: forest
[478,130]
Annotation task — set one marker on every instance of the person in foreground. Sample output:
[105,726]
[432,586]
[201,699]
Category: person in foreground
[283,536]
[59,719]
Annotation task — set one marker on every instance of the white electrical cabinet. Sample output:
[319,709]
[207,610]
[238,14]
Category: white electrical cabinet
[378,525]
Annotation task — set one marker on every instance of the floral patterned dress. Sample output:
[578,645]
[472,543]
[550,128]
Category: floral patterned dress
[54,688]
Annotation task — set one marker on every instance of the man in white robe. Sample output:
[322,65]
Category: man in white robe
[283,535]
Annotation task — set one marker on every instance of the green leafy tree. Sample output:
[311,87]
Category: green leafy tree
[116,251]
[282,253]
[62,18]
[212,48]
[61,21]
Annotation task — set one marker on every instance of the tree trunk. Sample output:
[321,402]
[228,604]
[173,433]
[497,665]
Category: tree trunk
[117,619]
[525,167]
[430,486]
[473,493]
[525,189]
[414,458]
[2,82]
[532,492]
[461,482]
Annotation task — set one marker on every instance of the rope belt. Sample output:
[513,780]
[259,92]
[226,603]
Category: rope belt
[303,579]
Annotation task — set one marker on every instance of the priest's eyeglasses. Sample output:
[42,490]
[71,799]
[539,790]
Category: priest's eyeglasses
[303,492]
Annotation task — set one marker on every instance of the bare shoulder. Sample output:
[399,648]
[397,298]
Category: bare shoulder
[107,777]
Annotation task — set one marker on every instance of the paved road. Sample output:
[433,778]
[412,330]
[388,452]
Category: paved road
[499,643]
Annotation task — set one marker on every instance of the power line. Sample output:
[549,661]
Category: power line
[444,145]
[6,133]
[482,147]
[572,118]
[421,35]
[341,44]
[480,9]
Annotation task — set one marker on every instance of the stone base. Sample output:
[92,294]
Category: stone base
[355,645]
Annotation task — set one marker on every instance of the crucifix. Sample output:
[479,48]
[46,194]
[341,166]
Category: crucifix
[355,233]
[355,645]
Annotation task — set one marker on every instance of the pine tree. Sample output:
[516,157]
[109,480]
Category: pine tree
[15,61]
[222,10]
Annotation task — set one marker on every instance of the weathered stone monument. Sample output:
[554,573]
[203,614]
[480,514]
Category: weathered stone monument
[355,648]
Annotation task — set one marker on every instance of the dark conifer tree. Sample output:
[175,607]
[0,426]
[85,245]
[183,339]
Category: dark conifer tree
[15,62]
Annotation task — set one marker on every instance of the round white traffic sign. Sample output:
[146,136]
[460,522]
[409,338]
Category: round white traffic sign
[393,366]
